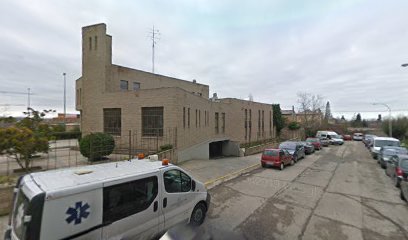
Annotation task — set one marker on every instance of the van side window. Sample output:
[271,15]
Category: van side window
[125,199]
[176,181]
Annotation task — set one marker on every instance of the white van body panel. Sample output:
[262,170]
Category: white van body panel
[376,148]
[69,215]
[73,200]
[141,225]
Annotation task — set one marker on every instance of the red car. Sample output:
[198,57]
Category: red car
[315,142]
[276,158]
[347,137]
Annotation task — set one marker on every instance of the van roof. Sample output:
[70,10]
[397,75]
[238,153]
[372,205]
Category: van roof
[386,138]
[84,175]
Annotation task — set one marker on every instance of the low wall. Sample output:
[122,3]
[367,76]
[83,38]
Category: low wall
[260,148]
[6,198]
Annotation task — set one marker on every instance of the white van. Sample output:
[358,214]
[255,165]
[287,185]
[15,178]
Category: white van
[137,199]
[334,138]
[379,142]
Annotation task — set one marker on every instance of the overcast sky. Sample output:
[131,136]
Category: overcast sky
[348,51]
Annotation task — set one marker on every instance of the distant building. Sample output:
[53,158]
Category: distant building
[145,110]
[72,121]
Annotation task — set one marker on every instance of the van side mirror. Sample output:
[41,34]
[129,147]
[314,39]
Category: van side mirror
[193,185]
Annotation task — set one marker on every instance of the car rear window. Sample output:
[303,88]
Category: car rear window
[390,152]
[402,151]
[404,163]
[287,146]
[271,153]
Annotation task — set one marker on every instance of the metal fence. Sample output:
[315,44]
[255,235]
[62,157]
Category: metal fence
[66,153]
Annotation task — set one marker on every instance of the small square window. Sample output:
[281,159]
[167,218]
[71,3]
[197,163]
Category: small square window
[136,86]
[124,85]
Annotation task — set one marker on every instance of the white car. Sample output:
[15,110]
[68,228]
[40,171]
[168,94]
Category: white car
[379,142]
[358,136]
[137,199]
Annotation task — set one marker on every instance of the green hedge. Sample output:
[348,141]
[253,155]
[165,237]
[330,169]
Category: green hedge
[96,145]
[66,135]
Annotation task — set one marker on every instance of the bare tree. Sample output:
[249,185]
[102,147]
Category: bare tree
[310,113]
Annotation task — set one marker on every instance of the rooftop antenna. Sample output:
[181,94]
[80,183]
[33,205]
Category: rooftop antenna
[154,36]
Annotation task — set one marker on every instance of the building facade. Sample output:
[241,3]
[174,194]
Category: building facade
[150,110]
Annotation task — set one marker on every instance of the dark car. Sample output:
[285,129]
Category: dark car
[316,143]
[295,149]
[347,137]
[387,152]
[397,166]
[309,148]
[276,158]
[368,140]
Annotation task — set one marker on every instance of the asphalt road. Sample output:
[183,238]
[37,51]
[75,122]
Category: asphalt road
[337,193]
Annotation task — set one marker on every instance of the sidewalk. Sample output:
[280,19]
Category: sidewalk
[212,172]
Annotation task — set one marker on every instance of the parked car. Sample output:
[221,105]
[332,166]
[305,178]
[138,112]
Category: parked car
[309,148]
[397,166]
[325,134]
[316,143]
[335,139]
[358,136]
[295,149]
[368,140]
[87,203]
[404,187]
[347,137]
[387,152]
[324,141]
[276,158]
[379,142]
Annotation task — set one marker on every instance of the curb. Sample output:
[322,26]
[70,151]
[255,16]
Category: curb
[214,182]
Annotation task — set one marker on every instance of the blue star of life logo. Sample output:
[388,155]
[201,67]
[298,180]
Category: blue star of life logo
[77,213]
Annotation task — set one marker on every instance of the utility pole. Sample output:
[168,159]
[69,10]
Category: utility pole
[154,36]
[28,98]
[65,98]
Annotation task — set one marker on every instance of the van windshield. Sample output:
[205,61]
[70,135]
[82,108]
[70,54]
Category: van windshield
[382,143]
[20,210]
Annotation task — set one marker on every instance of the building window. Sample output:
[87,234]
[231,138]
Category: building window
[90,43]
[112,121]
[270,123]
[188,118]
[259,123]
[250,124]
[184,117]
[96,42]
[199,118]
[223,122]
[263,123]
[129,198]
[216,123]
[136,86]
[124,85]
[152,121]
[205,118]
[196,118]
[246,124]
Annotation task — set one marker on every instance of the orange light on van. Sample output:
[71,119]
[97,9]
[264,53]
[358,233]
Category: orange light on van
[140,156]
[165,162]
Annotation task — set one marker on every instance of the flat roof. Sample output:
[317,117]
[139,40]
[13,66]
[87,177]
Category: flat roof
[386,138]
[84,175]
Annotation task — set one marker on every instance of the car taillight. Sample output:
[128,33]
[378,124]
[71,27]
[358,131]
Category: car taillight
[399,172]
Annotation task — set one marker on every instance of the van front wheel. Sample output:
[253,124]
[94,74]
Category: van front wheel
[198,215]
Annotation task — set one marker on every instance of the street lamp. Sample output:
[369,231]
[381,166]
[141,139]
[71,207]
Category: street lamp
[65,98]
[390,120]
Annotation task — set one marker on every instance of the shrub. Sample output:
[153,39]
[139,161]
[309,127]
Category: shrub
[165,147]
[293,126]
[96,145]
[66,135]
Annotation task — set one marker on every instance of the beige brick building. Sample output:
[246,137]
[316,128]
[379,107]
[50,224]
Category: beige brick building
[150,110]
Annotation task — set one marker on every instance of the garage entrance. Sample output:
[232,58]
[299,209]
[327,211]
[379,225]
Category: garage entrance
[216,149]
